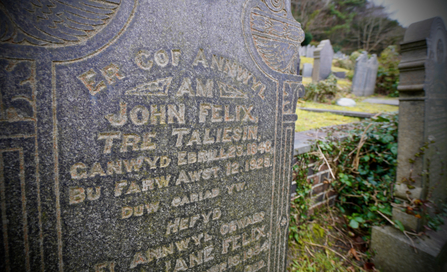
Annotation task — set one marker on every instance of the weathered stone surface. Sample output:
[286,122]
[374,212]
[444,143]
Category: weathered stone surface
[147,135]
[323,56]
[394,252]
[307,69]
[365,74]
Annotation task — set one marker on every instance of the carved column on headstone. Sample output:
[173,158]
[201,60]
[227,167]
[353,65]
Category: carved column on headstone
[421,171]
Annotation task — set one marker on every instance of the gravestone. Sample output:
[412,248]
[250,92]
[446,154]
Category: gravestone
[371,76]
[323,56]
[310,51]
[422,129]
[365,74]
[147,135]
[307,69]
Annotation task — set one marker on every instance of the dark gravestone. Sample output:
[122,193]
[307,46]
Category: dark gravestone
[307,69]
[422,129]
[323,56]
[146,135]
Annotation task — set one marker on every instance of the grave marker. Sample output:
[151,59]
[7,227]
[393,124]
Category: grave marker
[422,129]
[365,74]
[147,135]
[323,56]
[307,69]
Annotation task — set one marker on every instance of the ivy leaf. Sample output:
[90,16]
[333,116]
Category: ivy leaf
[399,225]
[354,224]
[394,149]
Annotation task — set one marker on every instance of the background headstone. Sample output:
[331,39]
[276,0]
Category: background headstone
[371,76]
[310,51]
[323,56]
[307,69]
[302,51]
[422,129]
[147,135]
[365,74]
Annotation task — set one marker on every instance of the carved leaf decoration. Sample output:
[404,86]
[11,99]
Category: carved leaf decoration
[53,22]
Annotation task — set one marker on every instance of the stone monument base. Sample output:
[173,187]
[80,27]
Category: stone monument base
[394,251]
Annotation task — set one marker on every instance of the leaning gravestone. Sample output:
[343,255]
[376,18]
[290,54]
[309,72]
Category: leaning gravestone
[423,130]
[365,74]
[323,56]
[307,69]
[147,135]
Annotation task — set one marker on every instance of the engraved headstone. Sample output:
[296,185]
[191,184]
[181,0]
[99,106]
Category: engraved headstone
[307,69]
[146,135]
[422,129]
[323,56]
[365,75]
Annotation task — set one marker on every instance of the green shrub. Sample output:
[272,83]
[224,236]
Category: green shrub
[323,91]
[365,167]
[354,55]
[388,72]
[307,39]
[345,64]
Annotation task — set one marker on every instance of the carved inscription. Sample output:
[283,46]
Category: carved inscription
[166,157]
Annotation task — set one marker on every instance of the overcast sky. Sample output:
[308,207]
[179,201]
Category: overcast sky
[411,11]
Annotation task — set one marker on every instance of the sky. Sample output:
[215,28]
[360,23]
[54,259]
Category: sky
[411,11]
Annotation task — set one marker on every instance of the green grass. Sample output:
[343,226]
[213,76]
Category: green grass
[311,120]
[338,69]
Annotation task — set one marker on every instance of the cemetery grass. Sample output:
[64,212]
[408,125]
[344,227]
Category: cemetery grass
[325,243]
[313,120]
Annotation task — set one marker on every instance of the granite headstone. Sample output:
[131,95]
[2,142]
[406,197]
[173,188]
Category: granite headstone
[323,56]
[307,69]
[146,135]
